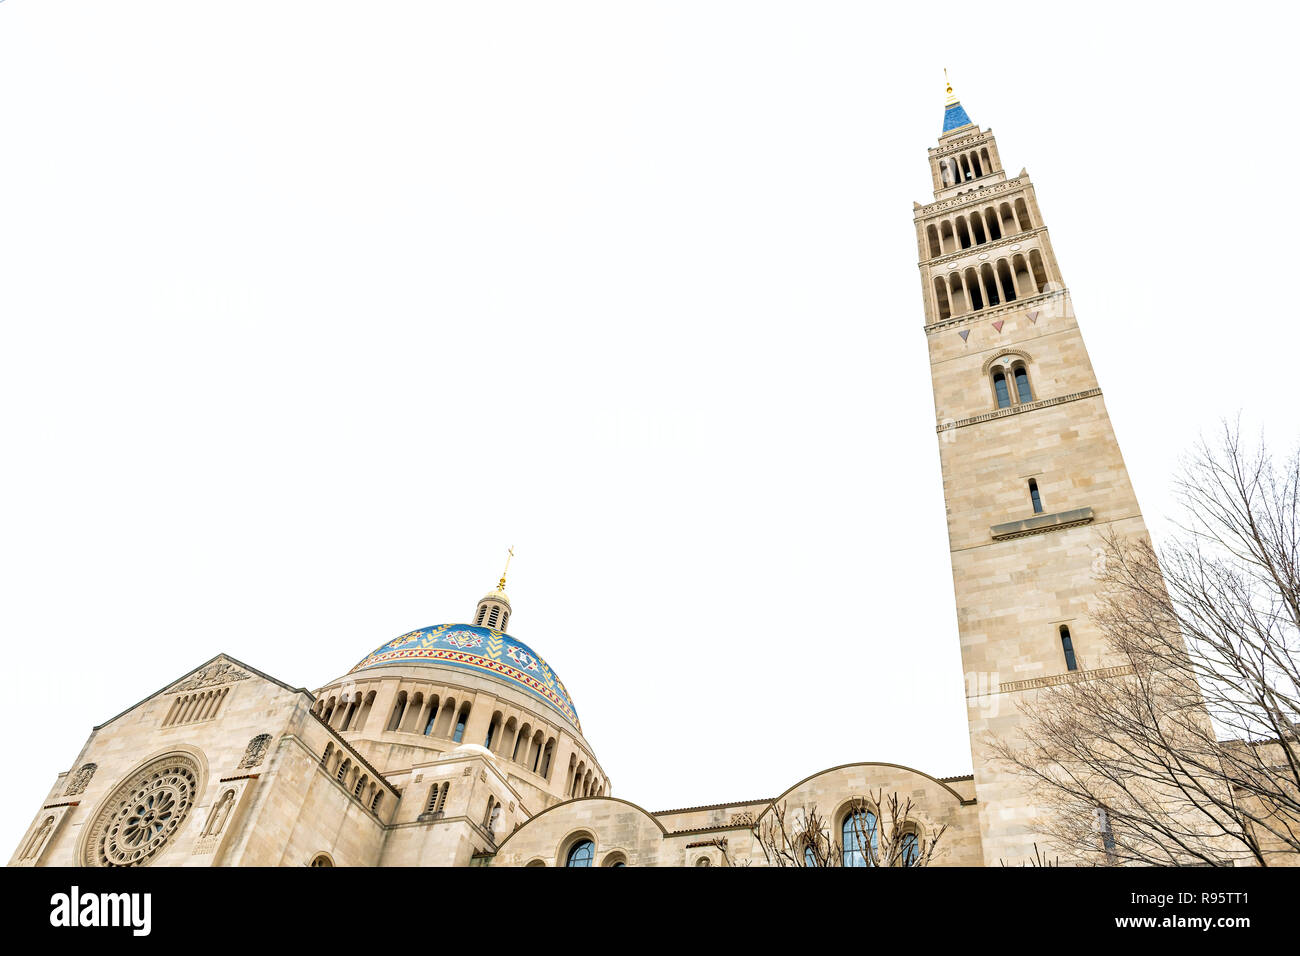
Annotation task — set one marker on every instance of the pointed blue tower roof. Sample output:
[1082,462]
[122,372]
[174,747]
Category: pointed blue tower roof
[954,116]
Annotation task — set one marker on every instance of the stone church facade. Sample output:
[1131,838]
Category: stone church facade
[457,745]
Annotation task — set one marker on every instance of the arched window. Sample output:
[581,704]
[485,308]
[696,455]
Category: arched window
[582,854]
[1000,389]
[459,735]
[321,859]
[809,857]
[858,838]
[399,707]
[1107,833]
[1022,384]
[911,850]
[492,618]
[433,715]
[482,611]
[1035,497]
[704,861]
[1067,645]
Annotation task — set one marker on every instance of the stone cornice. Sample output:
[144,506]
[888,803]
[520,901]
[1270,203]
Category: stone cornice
[1069,677]
[980,135]
[1018,305]
[1015,409]
[1041,524]
[983,247]
[997,189]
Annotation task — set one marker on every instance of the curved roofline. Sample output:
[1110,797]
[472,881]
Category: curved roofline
[865,763]
[634,806]
[485,655]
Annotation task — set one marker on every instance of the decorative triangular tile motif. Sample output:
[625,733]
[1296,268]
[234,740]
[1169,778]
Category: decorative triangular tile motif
[965,334]
[998,324]
[1032,316]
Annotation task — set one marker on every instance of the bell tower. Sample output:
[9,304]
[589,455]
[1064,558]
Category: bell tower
[1032,473]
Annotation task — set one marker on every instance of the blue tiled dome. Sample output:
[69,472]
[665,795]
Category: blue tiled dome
[478,649]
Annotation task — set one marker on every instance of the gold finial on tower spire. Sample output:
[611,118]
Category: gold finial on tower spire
[501,585]
[952,97]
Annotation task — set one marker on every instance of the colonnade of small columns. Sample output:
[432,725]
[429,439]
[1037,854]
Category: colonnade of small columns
[340,765]
[962,167]
[977,227]
[992,283]
[513,735]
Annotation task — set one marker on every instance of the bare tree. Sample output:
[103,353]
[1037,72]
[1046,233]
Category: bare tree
[890,837]
[1187,754]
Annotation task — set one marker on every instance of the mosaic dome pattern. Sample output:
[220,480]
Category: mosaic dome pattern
[479,649]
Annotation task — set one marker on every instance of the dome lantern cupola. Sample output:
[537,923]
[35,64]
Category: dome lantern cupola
[493,609]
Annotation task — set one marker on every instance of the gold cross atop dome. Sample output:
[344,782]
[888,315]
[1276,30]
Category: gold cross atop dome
[501,585]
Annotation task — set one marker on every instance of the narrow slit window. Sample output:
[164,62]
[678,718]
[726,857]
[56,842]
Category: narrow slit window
[1035,497]
[1067,645]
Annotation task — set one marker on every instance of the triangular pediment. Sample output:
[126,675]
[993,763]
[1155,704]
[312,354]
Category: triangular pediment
[220,671]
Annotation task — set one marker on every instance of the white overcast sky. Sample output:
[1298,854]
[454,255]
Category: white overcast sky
[311,309]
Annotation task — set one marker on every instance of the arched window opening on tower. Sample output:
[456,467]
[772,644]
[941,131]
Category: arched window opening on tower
[1067,645]
[1021,374]
[482,612]
[1035,497]
[492,618]
[1011,383]
[973,289]
[1022,216]
[963,233]
[992,225]
[1008,284]
[941,298]
[1001,390]
[990,285]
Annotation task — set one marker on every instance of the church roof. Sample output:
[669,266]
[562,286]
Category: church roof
[954,117]
[480,649]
